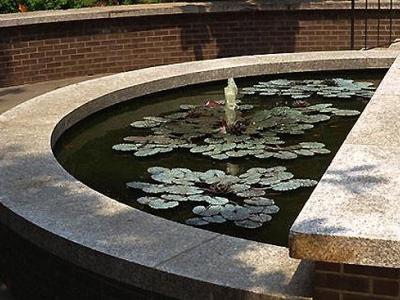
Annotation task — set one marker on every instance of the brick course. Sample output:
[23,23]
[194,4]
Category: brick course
[33,53]
[353,282]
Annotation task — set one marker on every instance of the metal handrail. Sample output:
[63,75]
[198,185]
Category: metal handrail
[378,41]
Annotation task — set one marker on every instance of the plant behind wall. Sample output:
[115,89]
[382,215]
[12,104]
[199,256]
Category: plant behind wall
[10,6]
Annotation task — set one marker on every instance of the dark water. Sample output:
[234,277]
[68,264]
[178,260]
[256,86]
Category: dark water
[85,150]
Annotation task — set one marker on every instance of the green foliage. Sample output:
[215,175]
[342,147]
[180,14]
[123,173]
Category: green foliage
[9,6]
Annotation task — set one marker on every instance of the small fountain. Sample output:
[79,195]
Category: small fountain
[231,92]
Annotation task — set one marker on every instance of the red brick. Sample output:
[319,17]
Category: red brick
[325,266]
[320,294]
[341,282]
[372,271]
[364,297]
[385,287]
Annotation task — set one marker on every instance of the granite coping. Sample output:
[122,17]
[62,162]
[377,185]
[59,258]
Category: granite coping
[110,12]
[46,205]
[353,215]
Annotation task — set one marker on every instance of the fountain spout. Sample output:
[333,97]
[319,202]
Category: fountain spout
[231,91]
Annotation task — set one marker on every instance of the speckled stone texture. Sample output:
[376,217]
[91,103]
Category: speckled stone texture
[47,206]
[353,214]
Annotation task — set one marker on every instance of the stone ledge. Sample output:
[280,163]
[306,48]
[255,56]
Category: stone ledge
[353,214]
[141,10]
[46,205]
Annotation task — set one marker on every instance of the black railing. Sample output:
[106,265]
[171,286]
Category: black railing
[388,15]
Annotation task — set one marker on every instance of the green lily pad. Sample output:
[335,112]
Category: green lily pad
[174,198]
[304,152]
[344,112]
[320,151]
[271,209]
[125,147]
[305,182]
[248,224]
[183,190]
[138,185]
[286,186]
[145,124]
[285,155]
[207,211]
[146,200]
[217,200]
[154,188]
[261,218]
[162,204]
[196,222]
[215,219]
[311,145]
[236,214]
[253,192]
[259,201]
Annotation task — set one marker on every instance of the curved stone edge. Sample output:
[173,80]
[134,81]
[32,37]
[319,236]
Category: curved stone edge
[353,214]
[140,10]
[46,205]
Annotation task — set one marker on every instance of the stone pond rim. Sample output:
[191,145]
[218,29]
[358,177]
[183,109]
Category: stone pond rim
[43,203]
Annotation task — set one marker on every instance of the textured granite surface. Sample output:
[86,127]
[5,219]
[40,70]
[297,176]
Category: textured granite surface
[40,17]
[353,214]
[46,205]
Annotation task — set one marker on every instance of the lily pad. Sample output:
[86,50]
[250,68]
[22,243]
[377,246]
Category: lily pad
[217,200]
[304,152]
[146,200]
[162,204]
[145,124]
[138,185]
[285,155]
[183,190]
[157,170]
[286,186]
[154,189]
[196,222]
[271,209]
[207,211]
[174,198]
[311,145]
[259,201]
[236,214]
[305,182]
[261,218]
[320,151]
[125,147]
[343,112]
[215,219]
[248,224]
[253,192]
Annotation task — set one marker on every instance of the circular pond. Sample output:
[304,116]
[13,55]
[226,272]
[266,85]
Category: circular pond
[172,154]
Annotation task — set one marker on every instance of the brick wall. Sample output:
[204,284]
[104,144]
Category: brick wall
[354,282]
[32,53]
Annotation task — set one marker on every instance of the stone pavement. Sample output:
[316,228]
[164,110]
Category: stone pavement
[14,95]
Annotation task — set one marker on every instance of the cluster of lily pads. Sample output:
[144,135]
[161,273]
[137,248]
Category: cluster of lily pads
[198,128]
[239,199]
[302,89]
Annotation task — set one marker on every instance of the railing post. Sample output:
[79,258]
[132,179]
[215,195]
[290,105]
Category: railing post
[352,20]
[366,25]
